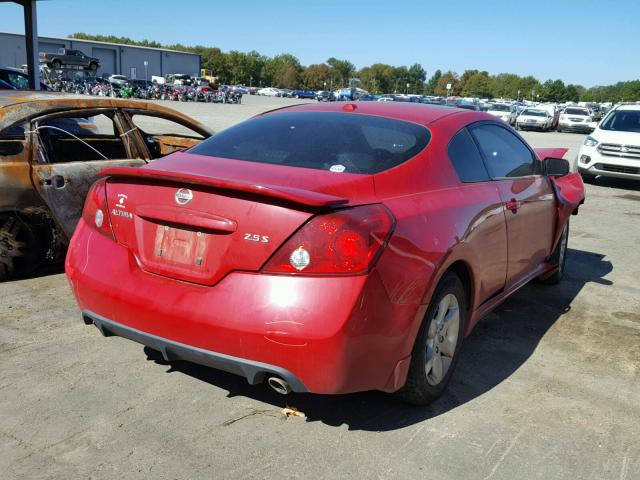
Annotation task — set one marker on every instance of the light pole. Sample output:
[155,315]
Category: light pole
[407,91]
[518,99]
[146,77]
[250,81]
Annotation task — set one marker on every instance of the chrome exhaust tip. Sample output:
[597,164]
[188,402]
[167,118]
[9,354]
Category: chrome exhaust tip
[279,385]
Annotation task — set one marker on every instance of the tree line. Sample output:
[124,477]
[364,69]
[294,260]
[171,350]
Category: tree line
[286,71]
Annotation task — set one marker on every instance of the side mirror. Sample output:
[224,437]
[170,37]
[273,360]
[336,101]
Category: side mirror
[556,167]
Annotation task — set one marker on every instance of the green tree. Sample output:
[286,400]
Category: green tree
[315,76]
[340,71]
[282,71]
[449,77]
[416,78]
[430,87]
[477,85]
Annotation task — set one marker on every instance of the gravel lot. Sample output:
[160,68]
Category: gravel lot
[547,387]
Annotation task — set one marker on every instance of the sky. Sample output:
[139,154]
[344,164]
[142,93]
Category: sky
[584,42]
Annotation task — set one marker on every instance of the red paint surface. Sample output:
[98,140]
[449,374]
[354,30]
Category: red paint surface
[340,333]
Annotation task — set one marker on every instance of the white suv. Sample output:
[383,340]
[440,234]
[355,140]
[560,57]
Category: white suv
[575,119]
[613,149]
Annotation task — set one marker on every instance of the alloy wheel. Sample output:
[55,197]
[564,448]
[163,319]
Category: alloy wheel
[442,339]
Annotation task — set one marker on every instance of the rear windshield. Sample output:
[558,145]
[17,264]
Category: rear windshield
[576,111]
[339,142]
[500,108]
[622,121]
[535,113]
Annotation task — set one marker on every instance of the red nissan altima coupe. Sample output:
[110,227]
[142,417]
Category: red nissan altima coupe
[325,248]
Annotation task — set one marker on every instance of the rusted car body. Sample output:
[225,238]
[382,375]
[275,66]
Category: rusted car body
[51,149]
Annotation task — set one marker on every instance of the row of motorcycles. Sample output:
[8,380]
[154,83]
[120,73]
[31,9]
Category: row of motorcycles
[149,91]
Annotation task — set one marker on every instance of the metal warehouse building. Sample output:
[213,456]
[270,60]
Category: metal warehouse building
[114,57]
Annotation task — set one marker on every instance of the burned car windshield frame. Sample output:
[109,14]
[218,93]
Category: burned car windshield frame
[332,141]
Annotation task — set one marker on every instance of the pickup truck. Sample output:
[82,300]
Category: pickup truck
[69,58]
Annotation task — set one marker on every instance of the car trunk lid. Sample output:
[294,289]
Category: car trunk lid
[196,218]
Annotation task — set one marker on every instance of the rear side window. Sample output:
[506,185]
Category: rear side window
[505,154]
[152,125]
[466,159]
[339,142]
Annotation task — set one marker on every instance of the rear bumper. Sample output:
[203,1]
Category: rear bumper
[323,335]
[254,372]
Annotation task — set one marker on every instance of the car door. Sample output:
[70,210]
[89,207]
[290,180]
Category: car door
[527,196]
[70,149]
[487,233]
[162,133]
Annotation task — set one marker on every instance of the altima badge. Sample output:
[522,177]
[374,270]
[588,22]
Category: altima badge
[184,196]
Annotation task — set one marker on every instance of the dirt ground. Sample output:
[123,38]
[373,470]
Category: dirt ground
[548,386]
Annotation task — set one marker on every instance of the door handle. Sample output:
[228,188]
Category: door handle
[57,181]
[513,205]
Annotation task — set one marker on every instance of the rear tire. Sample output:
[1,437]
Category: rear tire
[435,352]
[21,247]
[558,257]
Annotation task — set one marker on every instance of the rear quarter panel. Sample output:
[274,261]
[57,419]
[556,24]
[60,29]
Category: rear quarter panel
[440,221]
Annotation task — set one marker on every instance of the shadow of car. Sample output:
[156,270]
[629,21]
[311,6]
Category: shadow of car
[501,343]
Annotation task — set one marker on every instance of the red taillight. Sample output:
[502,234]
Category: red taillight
[96,212]
[343,242]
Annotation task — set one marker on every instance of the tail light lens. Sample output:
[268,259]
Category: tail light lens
[95,213]
[343,242]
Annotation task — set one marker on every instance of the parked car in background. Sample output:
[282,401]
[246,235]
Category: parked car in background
[6,86]
[118,80]
[553,111]
[533,119]
[45,177]
[69,58]
[504,111]
[269,92]
[303,94]
[468,106]
[305,227]
[16,79]
[613,149]
[285,93]
[575,119]
[325,96]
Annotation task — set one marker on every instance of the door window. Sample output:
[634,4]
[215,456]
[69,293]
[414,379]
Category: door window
[152,125]
[504,153]
[12,140]
[76,139]
[466,159]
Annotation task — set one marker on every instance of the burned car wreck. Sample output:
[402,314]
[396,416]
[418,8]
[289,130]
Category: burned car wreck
[52,147]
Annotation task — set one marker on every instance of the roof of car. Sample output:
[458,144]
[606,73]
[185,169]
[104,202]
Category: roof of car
[408,111]
[19,105]
[629,107]
[12,69]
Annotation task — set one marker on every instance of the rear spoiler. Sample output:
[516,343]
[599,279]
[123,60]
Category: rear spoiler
[554,152]
[289,194]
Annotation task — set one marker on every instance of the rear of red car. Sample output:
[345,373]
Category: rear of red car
[255,258]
